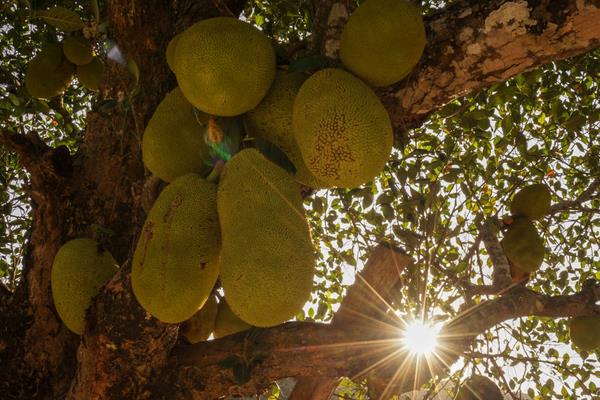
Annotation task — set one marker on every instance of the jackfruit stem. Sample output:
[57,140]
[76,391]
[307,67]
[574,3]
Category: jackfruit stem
[215,174]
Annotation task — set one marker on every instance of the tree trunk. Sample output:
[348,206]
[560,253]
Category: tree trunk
[102,191]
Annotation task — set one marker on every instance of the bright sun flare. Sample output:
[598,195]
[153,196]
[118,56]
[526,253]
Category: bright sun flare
[420,338]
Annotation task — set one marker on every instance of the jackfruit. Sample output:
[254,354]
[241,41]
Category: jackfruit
[49,73]
[585,332]
[267,257]
[343,131]
[532,201]
[175,264]
[79,269]
[78,50]
[224,66]
[90,75]
[173,143]
[201,325]
[171,51]
[383,40]
[523,246]
[479,388]
[227,323]
[272,120]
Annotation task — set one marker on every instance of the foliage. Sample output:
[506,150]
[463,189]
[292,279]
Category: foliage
[462,166]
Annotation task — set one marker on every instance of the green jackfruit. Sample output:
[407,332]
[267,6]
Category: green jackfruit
[173,143]
[201,325]
[227,323]
[171,50]
[532,201]
[343,131]
[272,121]
[585,332]
[224,66]
[90,75]
[79,269]
[523,245]
[479,388]
[48,73]
[78,50]
[267,257]
[175,264]
[383,40]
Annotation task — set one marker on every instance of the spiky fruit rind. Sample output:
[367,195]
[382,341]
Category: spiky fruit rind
[78,50]
[201,325]
[227,323]
[343,131]
[173,143]
[478,388]
[90,75]
[383,40]
[175,264]
[532,201]
[48,73]
[267,258]
[170,53]
[585,332]
[224,66]
[79,269]
[523,246]
[272,120]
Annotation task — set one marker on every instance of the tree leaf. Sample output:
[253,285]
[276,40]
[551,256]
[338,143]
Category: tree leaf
[61,18]
[309,63]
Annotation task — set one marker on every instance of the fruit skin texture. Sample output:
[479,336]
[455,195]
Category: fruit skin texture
[227,323]
[48,73]
[343,131]
[585,332]
[79,269]
[479,388]
[383,40]
[173,143]
[90,75]
[224,66]
[175,264]
[78,50]
[267,256]
[532,201]
[523,245]
[272,120]
[201,325]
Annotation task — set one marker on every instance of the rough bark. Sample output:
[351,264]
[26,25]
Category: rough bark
[470,45]
[474,44]
[303,349]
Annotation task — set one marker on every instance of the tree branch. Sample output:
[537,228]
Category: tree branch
[586,195]
[501,274]
[473,44]
[302,349]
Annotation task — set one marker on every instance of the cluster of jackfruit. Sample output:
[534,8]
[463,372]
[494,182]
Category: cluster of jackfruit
[331,125]
[250,231]
[51,71]
[522,244]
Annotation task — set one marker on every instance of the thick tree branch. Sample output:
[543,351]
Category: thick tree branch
[299,349]
[473,44]
[489,235]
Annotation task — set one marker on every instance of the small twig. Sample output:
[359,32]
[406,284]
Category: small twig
[586,195]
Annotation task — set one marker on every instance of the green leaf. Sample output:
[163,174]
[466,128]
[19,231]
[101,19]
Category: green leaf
[95,10]
[274,154]
[309,63]
[61,18]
